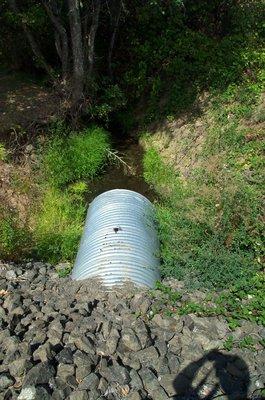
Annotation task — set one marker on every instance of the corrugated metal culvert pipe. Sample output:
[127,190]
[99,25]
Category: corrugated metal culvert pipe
[119,242]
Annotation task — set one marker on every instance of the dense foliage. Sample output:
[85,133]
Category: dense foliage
[158,53]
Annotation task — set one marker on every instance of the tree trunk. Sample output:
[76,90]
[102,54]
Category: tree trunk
[115,17]
[61,40]
[77,48]
[91,38]
[33,44]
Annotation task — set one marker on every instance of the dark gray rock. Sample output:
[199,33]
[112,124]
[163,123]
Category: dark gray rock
[89,382]
[136,382]
[79,395]
[130,340]
[140,328]
[140,303]
[5,381]
[175,344]
[174,324]
[19,367]
[161,334]
[167,382]
[151,384]
[64,371]
[162,366]
[39,374]
[58,394]
[134,396]
[161,347]
[148,356]
[62,387]
[43,352]
[83,363]
[37,337]
[94,395]
[112,341]
[34,393]
[11,275]
[84,344]
[173,362]
[65,356]
[114,373]
[103,385]
[130,360]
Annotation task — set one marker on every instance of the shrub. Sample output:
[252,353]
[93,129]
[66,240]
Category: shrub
[81,155]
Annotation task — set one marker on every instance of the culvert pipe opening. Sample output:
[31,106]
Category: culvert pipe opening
[119,243]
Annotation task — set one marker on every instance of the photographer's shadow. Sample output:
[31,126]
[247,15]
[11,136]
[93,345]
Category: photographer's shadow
[189,385]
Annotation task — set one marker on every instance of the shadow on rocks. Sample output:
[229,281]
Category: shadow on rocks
[227,377]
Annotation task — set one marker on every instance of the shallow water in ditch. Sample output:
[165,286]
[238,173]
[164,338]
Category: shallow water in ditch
[119,176]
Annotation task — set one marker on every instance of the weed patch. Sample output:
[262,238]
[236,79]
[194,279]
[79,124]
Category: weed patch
[243,301]
[69,160]
[78,156]
[58,225]
[14,238]
[210,224]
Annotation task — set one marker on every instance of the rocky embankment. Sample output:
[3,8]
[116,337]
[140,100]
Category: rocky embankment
[65,340]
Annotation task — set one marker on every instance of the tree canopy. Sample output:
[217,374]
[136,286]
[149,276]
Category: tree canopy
[102,54]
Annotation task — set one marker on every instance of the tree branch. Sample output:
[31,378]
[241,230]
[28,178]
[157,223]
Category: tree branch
[61,39]
[33,44]
[92,36]
[115,23]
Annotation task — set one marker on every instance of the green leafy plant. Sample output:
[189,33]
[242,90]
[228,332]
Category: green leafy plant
[243,301]
[63,273]
[228,343]
[172,295]
[247,343]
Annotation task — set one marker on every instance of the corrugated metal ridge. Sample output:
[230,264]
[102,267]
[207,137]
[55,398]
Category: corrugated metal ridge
[119,241]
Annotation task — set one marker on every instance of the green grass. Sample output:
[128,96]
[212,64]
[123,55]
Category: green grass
[58,225]
[3,152]
[14,238]
[78,156]
[210,224]
[69,162]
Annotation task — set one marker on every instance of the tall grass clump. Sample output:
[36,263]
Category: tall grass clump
[14,237]
[80,155]
[69,161]
[58,225]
